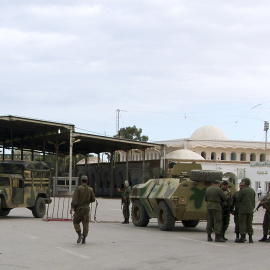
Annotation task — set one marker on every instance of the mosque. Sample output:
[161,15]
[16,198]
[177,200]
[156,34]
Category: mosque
[210,146]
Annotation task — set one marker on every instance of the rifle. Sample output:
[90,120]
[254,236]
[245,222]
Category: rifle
[257,208]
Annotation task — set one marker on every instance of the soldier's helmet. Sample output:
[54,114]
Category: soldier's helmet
[225,183]
[84,178]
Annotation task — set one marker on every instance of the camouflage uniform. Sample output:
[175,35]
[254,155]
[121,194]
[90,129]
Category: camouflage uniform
[247,197]
[266,219]
[225,212]
[214,196]
[82,197]
[126,201]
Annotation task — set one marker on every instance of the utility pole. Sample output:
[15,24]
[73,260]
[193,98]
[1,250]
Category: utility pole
[266,127]
[117,121]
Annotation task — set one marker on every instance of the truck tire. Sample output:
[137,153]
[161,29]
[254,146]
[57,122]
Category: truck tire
[166,220]
[139,215]
[190,223]
[40,208]
[205,175]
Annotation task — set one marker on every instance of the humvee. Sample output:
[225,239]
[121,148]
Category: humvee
[24,184]
[180,198]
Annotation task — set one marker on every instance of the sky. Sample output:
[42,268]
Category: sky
[169,66]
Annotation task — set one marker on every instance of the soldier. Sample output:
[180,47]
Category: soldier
[82,197]
[265,202]
[247,197]
[235,210]
[225,209]
[126,201]
[214,196]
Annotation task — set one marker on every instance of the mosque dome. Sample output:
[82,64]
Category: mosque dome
[210,133]
[184,154]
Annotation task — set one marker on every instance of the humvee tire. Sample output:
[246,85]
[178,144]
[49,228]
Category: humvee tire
[190,223]
[4,212]
[139,215]
[205,176]
[166,220]
[39,209]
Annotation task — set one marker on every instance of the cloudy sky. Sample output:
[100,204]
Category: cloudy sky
[170,66]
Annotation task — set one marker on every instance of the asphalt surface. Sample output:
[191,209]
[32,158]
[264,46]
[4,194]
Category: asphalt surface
[30,243]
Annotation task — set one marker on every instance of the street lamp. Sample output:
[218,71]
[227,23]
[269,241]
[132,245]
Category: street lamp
[71,142]
[266,127]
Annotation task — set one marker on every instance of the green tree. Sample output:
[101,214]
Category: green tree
[132,133]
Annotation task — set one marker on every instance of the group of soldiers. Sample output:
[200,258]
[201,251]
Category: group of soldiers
[220,205]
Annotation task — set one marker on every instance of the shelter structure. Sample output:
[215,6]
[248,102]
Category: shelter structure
[26,134]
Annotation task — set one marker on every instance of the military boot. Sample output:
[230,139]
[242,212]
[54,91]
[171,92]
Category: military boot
[250,240]
[125,221]
[80,236]
[264,238]
[209,238]
[237,237]
[241,240]
[268,240]
[223,236]
[218,238]
[83,239]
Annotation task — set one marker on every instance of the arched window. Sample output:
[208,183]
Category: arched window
[233,156]
[243,157]
[213,156]
[203,154]
[223,156]
[252,157]
[262,157]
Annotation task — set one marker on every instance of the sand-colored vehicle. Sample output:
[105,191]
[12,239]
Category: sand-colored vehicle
[24,184]
[180,198]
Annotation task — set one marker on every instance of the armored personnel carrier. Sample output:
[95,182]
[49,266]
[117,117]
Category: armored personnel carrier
[18,190]
[180,198]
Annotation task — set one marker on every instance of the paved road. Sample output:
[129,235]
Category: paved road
[29,243]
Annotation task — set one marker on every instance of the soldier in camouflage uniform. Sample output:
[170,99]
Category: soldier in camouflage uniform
[214,196]
[235,210]
[265,202]
[247,197]
[82,197]
[225,209]
[126,201]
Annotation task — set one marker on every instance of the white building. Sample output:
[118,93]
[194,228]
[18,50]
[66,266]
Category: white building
[209,146]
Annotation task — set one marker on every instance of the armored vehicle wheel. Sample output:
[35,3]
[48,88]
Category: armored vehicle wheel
[4,212]
[205,176]
[139,215]
[40,208]
[166,220]
[190,223]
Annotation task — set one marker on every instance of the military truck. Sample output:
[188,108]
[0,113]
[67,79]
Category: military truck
[180,198]
[24,184]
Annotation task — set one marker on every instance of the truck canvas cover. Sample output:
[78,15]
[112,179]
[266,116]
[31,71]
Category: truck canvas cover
[18,167]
